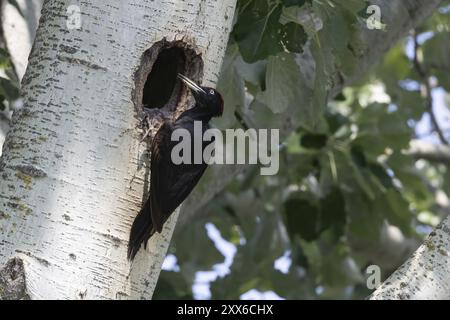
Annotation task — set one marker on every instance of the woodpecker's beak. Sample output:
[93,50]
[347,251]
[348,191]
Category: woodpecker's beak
[191,84]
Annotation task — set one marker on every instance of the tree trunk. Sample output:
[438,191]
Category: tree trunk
[425,275]
[74,172]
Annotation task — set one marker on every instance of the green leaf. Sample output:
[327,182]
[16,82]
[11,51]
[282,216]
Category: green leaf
[302,219]
[314,141]
[333,213]
[172,285]
[436,57]
[338,269]
[394,208]
[309,221]
[364,222]
[4,59]
[380,173]
[324,71]
[260,34]
[8,89]
[290,3]
[358,156]
[231,86]
[353,6]
[395,66]
[286,88]
[256,30]
[293,37]
[195,250]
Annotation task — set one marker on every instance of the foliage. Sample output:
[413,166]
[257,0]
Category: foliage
[343,173]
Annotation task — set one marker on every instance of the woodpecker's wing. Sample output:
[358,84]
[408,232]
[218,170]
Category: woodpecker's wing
[150,218]
[161,173]
[170,183]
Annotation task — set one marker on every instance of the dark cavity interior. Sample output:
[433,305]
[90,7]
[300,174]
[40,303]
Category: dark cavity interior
[161,86]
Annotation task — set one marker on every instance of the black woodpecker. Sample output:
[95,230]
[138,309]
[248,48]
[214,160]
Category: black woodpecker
[171,183]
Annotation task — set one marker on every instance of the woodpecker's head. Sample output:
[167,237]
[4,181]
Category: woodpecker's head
[205,97]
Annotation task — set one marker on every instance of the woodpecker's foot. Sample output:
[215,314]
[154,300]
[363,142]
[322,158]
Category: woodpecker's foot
[146,126]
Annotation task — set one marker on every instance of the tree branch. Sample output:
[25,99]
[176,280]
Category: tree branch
[423,74]
[430,152]
[73,168]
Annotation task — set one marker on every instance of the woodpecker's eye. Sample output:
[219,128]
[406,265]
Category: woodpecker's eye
[211,92]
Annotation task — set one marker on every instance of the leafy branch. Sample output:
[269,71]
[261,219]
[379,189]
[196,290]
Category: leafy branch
[425,78]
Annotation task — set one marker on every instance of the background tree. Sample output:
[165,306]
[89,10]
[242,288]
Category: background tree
[353,189]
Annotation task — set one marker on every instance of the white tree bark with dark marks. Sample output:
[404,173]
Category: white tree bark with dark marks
[73,170]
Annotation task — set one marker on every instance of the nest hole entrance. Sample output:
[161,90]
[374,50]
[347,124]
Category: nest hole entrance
[161,84]
[157,85]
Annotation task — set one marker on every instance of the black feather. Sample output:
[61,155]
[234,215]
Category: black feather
[141,231]
[170,184]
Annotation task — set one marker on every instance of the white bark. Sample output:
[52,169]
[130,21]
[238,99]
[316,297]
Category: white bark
[425,275]
[400,16]
[72,176]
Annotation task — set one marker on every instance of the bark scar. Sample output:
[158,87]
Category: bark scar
[31,171]
[85,63]
[13,281]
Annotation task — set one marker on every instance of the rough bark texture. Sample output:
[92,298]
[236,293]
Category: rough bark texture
[4,128]
[73,169]
[426,273]
[12,281]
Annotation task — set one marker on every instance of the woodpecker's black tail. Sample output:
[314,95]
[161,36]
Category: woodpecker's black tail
[141,231]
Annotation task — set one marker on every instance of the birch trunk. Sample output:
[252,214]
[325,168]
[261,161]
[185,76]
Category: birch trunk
[73,171]
[425,275]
